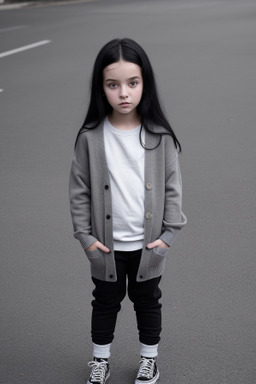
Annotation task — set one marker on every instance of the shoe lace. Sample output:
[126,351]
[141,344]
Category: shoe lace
[146,368]
[98,371]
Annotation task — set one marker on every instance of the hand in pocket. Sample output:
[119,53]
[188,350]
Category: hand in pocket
[157,243]
[97,245]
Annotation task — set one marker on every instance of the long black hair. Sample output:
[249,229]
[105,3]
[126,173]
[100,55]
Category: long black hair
[149,107]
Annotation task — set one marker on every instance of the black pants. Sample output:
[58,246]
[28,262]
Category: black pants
[144,295]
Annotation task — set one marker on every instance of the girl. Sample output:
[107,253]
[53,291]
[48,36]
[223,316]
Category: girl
[125,199]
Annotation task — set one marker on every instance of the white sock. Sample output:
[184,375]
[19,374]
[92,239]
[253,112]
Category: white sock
[149,350]
[101,351]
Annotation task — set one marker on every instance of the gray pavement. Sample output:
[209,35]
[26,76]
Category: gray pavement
[204,57]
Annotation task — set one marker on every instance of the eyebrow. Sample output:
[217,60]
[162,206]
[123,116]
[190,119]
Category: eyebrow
[130,78]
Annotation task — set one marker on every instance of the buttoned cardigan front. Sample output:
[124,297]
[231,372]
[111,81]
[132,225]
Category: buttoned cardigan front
[91,201]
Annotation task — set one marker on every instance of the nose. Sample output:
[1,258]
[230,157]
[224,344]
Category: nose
[123,92]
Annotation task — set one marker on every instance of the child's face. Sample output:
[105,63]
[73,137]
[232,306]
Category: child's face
[123,86]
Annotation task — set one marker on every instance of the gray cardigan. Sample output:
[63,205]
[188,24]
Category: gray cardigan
[90,202]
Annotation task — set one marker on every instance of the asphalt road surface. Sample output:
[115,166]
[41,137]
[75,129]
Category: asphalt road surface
[204,57]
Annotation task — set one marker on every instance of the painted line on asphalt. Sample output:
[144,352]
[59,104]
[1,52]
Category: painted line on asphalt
[9,7]
[9,29]
[26,47]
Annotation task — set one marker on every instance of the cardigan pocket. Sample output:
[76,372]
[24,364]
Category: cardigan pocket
[97,263]
[161,251]
[158,259]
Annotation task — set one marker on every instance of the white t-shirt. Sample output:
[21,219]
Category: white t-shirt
[125,159]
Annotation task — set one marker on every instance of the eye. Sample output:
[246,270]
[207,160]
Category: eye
[112,85]
[133,83]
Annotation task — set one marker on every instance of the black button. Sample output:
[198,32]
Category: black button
[108,217]
[106,186]
[111,276]
[141,277]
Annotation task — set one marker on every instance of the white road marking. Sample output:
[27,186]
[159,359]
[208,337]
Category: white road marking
[8,29]
[30,46]
[8,7]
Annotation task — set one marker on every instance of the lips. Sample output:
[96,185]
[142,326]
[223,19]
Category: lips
[124,103]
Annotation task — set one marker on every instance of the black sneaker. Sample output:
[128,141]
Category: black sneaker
[100,371]
[148,372]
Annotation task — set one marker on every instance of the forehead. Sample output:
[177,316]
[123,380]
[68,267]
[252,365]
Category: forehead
[121,70]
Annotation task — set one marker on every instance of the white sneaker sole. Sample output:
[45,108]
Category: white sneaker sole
[152,381]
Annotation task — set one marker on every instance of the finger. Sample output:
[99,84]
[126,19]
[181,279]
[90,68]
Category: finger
[153,245]
[103,248]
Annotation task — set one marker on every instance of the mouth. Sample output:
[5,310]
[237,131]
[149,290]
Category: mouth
[124,103]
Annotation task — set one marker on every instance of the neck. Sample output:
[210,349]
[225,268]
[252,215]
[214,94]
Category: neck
[124,122]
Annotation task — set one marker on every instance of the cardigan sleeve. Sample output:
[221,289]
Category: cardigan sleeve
[80,195]
[174,219]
